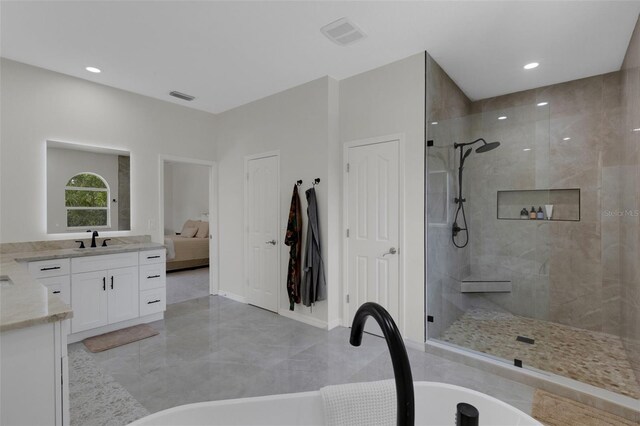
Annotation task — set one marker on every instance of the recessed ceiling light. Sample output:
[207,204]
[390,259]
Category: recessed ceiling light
[637,129]
[93,70]
[434,122]
[543,103]
[566,139]
[531,66]
[527,149]
[502,117]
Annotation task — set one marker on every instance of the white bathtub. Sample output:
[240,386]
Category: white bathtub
[435,405]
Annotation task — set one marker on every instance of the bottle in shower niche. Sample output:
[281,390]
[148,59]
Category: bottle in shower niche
[540,215]
[532,213]
[524,214]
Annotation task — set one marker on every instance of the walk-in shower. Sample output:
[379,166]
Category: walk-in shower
[542,292]
[459,200]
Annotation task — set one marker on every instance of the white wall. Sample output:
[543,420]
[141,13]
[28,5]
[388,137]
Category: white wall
[62,165]
[384,101]
[186,194]
[38,104]
[295,122]
[307,124]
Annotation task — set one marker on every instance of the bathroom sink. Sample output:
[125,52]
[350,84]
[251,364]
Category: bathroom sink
[5,282]
[96,249]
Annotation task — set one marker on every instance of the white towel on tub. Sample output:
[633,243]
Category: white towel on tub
[360,404]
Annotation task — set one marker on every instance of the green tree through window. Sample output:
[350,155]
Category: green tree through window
[86,198]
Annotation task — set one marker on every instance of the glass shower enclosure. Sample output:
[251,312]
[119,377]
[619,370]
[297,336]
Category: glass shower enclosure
[511,273]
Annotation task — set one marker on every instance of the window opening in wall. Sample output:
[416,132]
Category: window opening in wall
[86,199]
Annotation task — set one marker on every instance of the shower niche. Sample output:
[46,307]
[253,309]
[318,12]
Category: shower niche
[565,203]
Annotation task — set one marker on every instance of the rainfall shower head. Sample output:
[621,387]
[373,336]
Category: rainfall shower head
[487,147]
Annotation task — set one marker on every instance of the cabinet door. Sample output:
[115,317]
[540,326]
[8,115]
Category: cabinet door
[89,300]
[122,284]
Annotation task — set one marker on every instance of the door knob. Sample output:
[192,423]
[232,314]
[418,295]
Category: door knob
[392,250]
[272,242]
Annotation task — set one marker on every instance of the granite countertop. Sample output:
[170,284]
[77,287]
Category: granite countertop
[25,302]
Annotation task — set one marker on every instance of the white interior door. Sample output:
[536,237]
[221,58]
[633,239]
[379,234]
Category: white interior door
[262,200]
[373,224]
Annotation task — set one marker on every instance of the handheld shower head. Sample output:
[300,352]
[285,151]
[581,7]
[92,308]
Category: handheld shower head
[467,153]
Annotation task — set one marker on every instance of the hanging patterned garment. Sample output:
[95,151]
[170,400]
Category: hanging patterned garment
[314,284]
[294,240]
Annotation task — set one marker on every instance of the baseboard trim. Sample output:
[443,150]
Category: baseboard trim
[412,344]
[334,323]
[76,337]
[611,402]
[303,318]
[232,296]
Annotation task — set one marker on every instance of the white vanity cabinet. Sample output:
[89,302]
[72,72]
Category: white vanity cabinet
[107,292]
[104,290]
[153,281]
[53,274]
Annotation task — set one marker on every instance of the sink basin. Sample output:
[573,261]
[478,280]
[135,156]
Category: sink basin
[5,281]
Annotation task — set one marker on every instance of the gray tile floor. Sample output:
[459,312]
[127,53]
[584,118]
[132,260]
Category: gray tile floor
[188,284]
[213,348]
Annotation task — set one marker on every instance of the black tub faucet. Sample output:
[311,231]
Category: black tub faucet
[93,237]
[399,358]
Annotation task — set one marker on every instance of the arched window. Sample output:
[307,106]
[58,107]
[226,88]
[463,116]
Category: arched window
[86,197]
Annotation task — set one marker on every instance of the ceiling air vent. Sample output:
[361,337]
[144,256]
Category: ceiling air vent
[182,96]
[342,32]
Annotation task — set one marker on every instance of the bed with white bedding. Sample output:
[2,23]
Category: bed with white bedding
[190,248]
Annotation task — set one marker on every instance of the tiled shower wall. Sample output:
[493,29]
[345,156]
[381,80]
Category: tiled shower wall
[629,203]
[566,272]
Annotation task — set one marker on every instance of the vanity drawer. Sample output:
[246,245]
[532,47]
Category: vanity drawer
[153,256]
[153,301]
[60,286]
[103,262]
[49,268]
[153,276]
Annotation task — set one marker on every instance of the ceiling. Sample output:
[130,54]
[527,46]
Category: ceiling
[230,53]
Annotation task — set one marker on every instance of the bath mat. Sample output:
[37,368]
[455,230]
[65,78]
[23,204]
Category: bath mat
[554,410]
[117,338]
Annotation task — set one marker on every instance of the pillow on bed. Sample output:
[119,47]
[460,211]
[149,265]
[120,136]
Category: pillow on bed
[189,232]
[189,224]
[203,230]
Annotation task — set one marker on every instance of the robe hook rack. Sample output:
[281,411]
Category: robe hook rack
[316,181]
[298,183]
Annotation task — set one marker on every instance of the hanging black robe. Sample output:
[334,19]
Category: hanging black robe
[314,283]
[294,240]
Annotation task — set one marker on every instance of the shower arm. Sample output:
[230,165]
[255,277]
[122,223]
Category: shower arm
[458,145]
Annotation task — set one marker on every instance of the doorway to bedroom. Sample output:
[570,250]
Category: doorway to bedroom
[189,225]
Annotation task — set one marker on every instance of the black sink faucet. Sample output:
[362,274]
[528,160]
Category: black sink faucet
[399,358]
[93,237]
